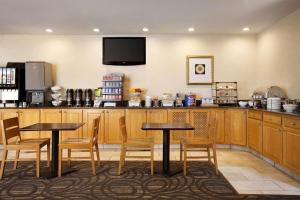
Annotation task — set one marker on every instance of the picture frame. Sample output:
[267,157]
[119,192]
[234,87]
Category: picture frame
[199,70]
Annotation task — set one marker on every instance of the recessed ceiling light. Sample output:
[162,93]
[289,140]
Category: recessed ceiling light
[49,30]
[191,29]
[246,29]
[97,30]
[145,29]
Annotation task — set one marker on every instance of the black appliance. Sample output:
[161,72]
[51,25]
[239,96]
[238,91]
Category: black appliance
[88,95]
[124,51]
[70,97]
[12,83]
[78,97]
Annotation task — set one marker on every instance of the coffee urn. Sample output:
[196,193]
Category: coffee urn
[70,97]
[88,94]
[78,97]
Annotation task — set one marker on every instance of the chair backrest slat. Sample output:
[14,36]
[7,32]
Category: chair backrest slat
[95,133]
[122,123]
[205,125]
[10,129]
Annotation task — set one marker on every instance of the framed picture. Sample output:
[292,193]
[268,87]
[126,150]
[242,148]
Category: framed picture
[200,70]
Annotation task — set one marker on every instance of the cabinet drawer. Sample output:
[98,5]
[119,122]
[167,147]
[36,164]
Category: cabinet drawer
[291,122]
[255,114]
[272,118]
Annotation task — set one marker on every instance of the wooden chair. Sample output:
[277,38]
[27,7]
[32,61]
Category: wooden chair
[12,141]
[202,140]
[134,145]
[81,143]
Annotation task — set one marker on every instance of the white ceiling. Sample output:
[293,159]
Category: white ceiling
[129,16]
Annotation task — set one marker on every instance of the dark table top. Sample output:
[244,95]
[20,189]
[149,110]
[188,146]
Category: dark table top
[167,126]
[52,126]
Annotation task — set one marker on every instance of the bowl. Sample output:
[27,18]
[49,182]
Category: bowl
[55,88]
[56,102]
[56,96]
[290,107]
[243,104]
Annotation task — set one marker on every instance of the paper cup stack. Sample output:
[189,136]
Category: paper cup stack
[274,103]
[56,95]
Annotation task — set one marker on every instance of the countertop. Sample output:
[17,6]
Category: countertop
[295,113]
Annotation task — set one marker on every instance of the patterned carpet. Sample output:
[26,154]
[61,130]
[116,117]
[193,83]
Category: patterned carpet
[135,183]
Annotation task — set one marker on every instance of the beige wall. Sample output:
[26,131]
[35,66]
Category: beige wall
[78,60]
[279,56]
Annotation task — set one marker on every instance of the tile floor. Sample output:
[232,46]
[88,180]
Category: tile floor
[247,173]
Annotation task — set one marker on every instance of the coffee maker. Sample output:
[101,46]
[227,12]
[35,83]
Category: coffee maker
[38,80]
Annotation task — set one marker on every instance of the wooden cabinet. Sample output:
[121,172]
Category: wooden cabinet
[254,132]
[291,149]
[6,114]
[88,116]
[72,116]
[134,120]
[49,116]
[112,133]
[157,116]
[238,126]
[272,142]
[220,126]
[178,116]
[28,117]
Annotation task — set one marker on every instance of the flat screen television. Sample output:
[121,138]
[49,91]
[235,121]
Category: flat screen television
[124,51]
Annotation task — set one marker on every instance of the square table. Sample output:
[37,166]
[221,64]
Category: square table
[55,128]
[166,127]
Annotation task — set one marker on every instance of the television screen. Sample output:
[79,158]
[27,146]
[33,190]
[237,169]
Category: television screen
[124,50]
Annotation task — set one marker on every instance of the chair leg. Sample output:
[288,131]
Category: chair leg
[16,160]
[121,160]
[93,161]
[97,153]
[215,158]
[152,161]
[184,160]
[38,160]
[3,163]
[180,151]
[48,155]
[60,151]
[208,155]
[69,157]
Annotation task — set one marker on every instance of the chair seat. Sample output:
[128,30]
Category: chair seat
[189,142]
[30,142]
[76,141]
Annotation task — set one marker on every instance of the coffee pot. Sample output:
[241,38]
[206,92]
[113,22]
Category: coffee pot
[78,97]
[70,97]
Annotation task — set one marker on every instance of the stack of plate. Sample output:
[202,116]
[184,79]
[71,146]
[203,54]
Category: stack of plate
[56,95]
[274,103]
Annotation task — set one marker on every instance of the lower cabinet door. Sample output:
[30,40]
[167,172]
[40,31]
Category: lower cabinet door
[272,142]
[220,126]
[112,128]
[71,116]
[28,117]
[238,127]
[88,117]
[291,150]
[134,120]
[254,132]
[157,116]
[49,116]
